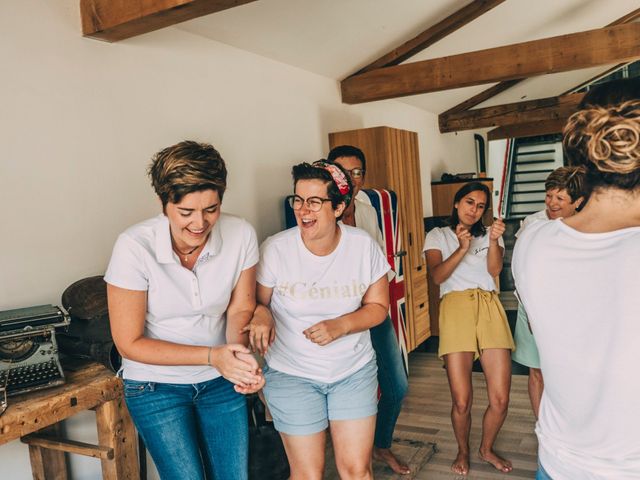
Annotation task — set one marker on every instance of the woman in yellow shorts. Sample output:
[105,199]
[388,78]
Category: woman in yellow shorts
[463,259]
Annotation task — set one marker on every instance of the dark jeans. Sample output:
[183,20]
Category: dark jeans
[392,380]
[192,430]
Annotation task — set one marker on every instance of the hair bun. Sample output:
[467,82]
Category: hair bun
[607,137]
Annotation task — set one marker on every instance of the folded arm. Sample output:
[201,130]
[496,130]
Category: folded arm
[374,309]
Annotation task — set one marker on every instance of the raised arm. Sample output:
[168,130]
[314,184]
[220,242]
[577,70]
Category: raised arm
[441,270]
[261,329]
[374,309]
[496,252]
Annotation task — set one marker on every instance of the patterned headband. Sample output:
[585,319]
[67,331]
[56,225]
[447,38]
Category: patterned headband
[338,176]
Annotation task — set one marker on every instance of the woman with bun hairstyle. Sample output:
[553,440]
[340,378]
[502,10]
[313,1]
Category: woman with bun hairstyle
[564,194]
[578,280]
[326,286]
[464,258]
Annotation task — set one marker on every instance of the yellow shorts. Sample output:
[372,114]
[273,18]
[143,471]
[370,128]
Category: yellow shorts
[472,321]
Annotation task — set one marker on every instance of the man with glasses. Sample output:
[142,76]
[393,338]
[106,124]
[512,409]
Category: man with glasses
[391,375]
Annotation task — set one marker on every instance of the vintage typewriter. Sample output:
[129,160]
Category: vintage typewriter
[28,349]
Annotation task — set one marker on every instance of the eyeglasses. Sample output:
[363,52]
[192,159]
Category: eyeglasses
[313,203]
[356,172]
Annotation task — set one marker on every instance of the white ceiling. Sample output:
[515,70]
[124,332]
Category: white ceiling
[335,38]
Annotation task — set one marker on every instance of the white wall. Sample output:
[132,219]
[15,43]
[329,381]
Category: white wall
[80,120]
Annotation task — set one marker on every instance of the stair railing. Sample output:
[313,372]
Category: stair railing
[508,176]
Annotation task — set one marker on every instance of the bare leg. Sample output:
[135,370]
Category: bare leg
[459,374]
[536,386]
[352,446]
[306,455]
[496,364]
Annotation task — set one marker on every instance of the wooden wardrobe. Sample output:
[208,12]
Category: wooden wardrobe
[393,163]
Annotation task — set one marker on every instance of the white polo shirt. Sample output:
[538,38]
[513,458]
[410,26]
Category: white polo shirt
[183,306]
[530,219]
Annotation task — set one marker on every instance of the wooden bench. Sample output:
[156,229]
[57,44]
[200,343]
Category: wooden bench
[35,417]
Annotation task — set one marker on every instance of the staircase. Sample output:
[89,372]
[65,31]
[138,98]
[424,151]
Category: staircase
[530,163]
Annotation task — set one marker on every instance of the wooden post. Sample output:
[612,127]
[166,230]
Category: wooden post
[48,464]
[116,430]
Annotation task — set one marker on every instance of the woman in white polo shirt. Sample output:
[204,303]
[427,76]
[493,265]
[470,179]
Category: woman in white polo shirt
[463,259]
[564,193]
[326,286]
[181,287]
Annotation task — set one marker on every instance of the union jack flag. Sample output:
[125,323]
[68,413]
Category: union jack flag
[386,204]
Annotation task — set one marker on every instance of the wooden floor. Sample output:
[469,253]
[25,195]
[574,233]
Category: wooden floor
[426,416]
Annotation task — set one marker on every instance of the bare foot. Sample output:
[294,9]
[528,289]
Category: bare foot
[386,455]
[498,462]
[460,465]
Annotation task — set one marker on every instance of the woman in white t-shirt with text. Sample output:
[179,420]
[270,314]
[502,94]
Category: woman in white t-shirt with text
[326,286]
[463,259]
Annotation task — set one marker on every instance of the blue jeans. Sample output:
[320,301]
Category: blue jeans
[192,431]
[542,474]
[392,379]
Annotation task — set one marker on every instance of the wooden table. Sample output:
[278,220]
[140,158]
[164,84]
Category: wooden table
[35,417]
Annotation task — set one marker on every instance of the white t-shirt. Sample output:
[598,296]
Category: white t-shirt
[183,306]
[308,289]
[582,294]
[472,271]
[367,218]
[529,219]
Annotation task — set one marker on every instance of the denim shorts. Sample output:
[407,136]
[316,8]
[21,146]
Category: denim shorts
[301,406]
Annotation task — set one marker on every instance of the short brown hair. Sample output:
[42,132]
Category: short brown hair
[187,167]
[571,179]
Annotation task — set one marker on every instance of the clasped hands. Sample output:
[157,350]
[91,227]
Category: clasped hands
[237,364]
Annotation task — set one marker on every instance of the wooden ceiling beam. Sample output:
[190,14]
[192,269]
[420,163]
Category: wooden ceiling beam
[437,32]
[628,18]
[521,130]
[113,20]
[482,96]
[540,110]
[502,86]
[574,51]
